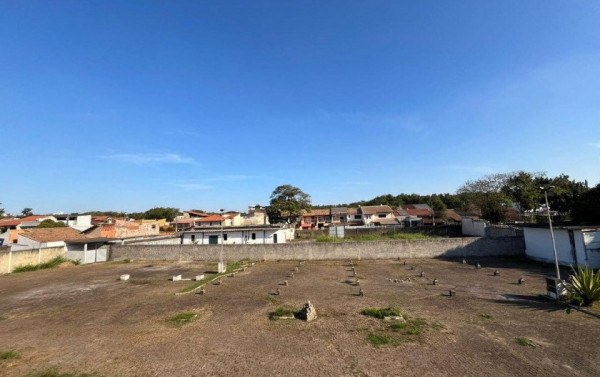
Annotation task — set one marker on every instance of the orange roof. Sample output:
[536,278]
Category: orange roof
[52,234]
[10,222]
[195,213]
[33,218]
[317,212]
[211,218]
[418,212]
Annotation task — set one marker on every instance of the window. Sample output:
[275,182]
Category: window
[225,237]
[15,241]
[193,238]
[356,217]
[382,215]
[153,226]
[253,236]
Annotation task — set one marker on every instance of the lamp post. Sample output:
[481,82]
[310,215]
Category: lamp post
[221,268]
[545,189]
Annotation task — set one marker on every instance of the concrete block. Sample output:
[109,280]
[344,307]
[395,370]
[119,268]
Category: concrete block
[199,277]
[176,278]
[124,277]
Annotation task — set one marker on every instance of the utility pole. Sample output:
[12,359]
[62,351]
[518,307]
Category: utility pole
[545,189]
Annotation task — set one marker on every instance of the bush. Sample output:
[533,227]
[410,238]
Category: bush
[381,312]
[584,286]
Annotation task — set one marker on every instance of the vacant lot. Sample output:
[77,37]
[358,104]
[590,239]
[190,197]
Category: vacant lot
[81,319]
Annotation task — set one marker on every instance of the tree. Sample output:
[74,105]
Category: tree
[1,211]
[49,223]
[488,195]
[287,204]
[27,211]
[168,213]
[438,206]
[586,209]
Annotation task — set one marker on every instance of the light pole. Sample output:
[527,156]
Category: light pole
[545,189]
[221,268]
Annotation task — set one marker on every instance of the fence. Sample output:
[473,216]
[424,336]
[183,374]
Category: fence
[443,247]
[442,231]
[9,260]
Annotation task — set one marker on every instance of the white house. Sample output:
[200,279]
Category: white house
[576,246]
[237,235]
[378,215]
[45,237]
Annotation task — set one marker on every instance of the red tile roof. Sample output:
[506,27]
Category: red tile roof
[317,212]
[52,234]
[372,210]
[211,218]
[33,218]
[10,222]
[195,213]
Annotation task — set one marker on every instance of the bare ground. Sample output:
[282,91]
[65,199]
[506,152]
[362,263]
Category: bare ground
[82,319]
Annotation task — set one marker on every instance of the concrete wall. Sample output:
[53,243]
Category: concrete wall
[9,260]
[538,242]
[447,247]
[472,227]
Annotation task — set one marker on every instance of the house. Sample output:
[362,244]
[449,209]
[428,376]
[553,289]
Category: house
[256,215]
[421,214]
[354,218]
[575,246]
[45,237]
[315,219]
[452,217]
[11,228]
[124,229]
[232,219]
[240,235]
[381,215]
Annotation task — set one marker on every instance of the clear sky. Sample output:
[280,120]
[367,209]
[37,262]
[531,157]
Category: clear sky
[126,105]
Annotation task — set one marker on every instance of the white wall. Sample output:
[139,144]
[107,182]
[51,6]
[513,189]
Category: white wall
[472,227]
[538,246]
[239,237]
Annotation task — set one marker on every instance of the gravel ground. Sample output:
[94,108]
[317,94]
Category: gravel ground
[81,319]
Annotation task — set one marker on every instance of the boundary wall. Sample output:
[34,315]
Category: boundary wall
[9,260]
[436,248]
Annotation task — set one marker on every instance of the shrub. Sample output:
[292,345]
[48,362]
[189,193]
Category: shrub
[9,355]
[381,339]
[282,312]
[584,286]
[34,267]
[381,312]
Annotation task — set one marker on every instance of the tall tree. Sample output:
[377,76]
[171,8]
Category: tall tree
[1,211]
[287,204]
[586,210]
[27,211]
[438,206]
[168,213]
[49,223]
[488,196]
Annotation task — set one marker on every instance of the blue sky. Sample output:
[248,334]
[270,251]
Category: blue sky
[127,105]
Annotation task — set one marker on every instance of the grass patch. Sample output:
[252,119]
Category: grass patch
[400,331]
[485,316]
[9,355]
[379,340]
[381,312]
[3,318]
[283,311]
[525,342]
[182,318]
[56,373]
[76,262]
[54,262]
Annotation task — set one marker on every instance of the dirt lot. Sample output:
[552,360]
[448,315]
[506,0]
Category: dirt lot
[82,319]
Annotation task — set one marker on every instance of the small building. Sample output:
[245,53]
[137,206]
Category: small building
[45,237]
[242,235]
[575,246]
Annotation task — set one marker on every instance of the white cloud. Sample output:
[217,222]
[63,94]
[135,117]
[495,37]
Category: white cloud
[150,158]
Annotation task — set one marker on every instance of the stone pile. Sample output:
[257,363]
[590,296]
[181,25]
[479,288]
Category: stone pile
[308,312]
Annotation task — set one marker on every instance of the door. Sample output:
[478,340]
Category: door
[275,238]
[213,240]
